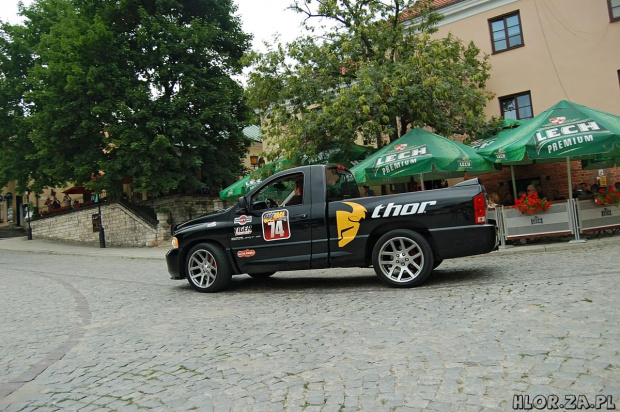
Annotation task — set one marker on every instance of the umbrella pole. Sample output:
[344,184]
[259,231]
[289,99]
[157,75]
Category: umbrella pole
[572,207]
[422,181]
[514,182]
[570,184]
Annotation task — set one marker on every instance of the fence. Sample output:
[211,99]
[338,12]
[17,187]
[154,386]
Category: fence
[571,217]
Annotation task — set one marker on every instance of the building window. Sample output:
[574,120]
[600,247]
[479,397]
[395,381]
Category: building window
[614,9]
[506,32]
[517,106]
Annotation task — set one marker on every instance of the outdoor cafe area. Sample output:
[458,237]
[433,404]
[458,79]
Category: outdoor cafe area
[572,218]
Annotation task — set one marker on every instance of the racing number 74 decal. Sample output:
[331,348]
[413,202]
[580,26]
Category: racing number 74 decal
[276,225]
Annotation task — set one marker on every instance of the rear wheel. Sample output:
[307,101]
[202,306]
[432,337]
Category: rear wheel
[403,258]
[208,268]
[261,276]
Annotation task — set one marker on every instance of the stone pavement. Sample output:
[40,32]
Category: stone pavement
[91,329]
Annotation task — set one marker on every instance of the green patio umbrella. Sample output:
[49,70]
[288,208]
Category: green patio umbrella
[420,152]
[485,140]
[600,163]
[564,132]
[346,156]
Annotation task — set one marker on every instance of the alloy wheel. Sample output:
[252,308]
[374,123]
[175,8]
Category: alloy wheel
[401,259]
[202,268]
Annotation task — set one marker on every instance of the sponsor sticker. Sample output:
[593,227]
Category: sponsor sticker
[348,222]
[247,253]
[243,230]
[243,219]
[392,209]
[276,225]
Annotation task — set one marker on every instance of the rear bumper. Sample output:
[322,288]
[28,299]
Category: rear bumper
[464,241]
[173,260]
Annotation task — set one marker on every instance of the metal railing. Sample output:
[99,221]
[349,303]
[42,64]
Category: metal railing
[144,213]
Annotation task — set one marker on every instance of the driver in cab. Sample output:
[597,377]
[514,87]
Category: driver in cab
[297,199]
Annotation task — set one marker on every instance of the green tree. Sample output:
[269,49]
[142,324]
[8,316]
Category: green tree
[128,88]
[372,74]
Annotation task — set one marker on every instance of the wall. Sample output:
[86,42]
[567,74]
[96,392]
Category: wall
[184,207]
[551,176]
[122,227]
[569,53]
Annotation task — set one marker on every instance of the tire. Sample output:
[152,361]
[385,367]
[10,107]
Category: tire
[261,276]
[208,268]
[392,248]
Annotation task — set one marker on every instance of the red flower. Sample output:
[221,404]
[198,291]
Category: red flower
[531,203]
[607,196]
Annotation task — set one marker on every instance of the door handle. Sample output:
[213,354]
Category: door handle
[302,216]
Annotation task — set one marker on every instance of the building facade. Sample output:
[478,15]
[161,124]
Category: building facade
[541,52]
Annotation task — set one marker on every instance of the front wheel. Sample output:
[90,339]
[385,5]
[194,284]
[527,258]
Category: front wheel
[208,268]
[403,258]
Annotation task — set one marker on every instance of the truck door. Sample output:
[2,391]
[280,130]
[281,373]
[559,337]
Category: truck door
[275,234]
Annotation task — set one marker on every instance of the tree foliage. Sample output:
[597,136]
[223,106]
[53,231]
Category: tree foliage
[373,74]
[123,88]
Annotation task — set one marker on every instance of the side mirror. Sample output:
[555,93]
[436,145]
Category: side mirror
[243,204]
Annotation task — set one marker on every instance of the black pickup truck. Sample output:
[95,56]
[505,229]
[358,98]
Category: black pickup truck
[327,224]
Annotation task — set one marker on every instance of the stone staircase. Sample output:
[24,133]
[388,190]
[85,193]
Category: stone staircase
[12,231]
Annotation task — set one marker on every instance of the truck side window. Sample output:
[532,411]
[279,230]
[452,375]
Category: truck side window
[340,184]
[286,191]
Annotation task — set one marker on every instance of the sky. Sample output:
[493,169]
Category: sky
[261,18]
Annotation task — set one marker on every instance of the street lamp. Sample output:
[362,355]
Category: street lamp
[96,176]
[101,230]
[29,215]
[254,161]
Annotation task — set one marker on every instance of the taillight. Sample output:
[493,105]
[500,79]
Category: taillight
[480,209]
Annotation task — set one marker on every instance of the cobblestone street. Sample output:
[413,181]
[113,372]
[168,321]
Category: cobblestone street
[108,333]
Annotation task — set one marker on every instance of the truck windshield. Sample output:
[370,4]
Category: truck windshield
[340,184]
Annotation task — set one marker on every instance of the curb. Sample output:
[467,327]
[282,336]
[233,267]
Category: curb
[49,247]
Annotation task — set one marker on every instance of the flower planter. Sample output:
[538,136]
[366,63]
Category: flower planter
[532,211]
[607,197]
[553,221]
[603,203]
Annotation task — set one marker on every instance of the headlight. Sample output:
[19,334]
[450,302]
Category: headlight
[175,243]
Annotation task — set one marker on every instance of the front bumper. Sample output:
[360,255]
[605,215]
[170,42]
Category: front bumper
[173,260]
